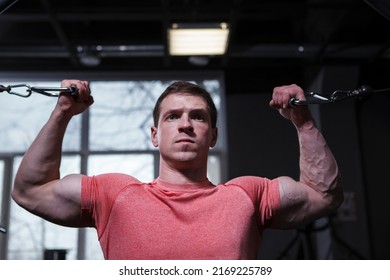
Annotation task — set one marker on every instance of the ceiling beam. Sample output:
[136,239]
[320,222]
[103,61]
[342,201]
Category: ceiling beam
[61,34]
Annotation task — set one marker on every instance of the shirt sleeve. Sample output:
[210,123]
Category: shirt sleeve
[264,194]
[98,193]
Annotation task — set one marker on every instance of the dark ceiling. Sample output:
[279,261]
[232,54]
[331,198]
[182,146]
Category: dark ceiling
[275,39]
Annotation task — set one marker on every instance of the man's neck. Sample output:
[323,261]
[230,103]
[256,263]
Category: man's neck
[182,175]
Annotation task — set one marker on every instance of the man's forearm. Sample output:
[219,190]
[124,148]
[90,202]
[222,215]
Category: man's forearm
[318,167]
[42,160]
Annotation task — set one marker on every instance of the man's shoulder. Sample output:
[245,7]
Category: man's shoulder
[248,180]
[254,184]
[113,179]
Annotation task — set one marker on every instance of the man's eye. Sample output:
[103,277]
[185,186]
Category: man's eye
[198,117]
[171,117]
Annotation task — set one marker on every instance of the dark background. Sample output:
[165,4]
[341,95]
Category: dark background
[322,45]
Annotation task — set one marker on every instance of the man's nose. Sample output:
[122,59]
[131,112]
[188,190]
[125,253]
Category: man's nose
[186,125]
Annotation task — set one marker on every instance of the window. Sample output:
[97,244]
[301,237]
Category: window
[112,136]
[1,185]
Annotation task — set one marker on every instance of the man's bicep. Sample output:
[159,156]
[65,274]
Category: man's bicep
[299,204]
[63,203]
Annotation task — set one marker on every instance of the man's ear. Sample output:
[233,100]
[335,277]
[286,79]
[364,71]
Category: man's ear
[214,137]
[153,134]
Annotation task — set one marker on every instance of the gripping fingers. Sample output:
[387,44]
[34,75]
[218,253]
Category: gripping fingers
[286,96]
[82,92]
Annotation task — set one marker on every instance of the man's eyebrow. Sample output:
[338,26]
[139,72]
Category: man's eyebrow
[170,111]
[178,110]
[199,110]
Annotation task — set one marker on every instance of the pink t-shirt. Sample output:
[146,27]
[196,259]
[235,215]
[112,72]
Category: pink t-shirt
[161,220]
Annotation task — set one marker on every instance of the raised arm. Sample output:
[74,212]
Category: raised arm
[38,187]
[319,189]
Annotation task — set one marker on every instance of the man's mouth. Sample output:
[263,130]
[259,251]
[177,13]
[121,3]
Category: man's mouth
[185,140]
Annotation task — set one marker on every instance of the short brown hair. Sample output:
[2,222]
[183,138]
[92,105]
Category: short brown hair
[192,89]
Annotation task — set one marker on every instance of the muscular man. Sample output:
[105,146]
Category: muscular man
[180,214]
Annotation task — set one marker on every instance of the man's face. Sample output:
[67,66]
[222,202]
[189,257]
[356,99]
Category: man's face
[184,132]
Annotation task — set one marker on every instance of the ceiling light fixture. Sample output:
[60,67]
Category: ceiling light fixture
[198,39]
[88,56]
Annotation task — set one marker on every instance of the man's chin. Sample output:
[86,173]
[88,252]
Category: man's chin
[186,158]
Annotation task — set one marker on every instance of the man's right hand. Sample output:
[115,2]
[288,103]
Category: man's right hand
[77,103]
